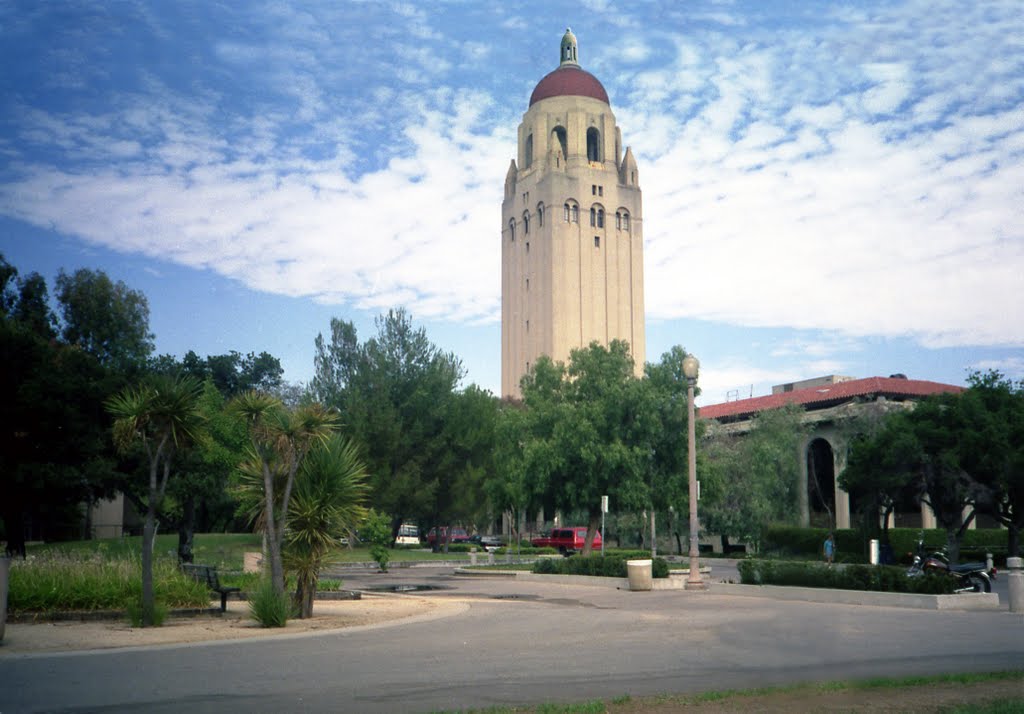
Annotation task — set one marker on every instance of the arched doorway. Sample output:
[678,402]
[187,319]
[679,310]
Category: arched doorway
[821,483]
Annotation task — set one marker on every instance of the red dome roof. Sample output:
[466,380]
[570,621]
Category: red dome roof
[569,80]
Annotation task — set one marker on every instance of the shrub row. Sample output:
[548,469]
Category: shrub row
[594,565]
[882,578]
[525,550]
[852,546]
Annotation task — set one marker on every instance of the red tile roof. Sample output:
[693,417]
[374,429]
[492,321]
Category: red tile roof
[823,396]
[569,80]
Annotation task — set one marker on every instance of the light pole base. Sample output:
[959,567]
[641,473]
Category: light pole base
[695,585]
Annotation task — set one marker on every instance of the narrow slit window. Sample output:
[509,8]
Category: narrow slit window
[597,241]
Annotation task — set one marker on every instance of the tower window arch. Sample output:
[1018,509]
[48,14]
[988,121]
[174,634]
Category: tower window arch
[540,215]
[593,144]
[571,212]
[561,140]
[622,220]
[526,223]
[597,216]
[512,229]
[528,152]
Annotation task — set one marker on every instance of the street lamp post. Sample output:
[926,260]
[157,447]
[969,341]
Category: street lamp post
[691,366]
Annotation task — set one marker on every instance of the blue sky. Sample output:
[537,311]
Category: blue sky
[828,188]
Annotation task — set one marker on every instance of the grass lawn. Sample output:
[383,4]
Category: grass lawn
[223,550]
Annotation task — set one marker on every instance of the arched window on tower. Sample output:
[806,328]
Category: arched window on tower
[512,229]
[528,152]
[618,220]
[560,140]
[575,213]
[593,216]
[566,217]
[540,215]
[597,216]
[526,223]
[625,221]
[593,144]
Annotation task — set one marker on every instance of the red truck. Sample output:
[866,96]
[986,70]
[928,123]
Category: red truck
[566,540]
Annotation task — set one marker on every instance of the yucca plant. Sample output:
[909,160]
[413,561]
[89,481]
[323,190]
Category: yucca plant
[326,503]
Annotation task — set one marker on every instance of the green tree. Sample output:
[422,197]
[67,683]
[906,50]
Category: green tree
[55,451]
[583,436]
[163,416]
[468,434]
[327,503]
[751,481]
[663,424]
[280,439]
[993,450]
[199,497]
[106,319]
[880,471]
[396,392]
[376,530]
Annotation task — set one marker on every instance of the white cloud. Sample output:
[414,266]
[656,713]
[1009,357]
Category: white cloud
[862,177]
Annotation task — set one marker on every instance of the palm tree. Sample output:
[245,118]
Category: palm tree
[327,502]
[280,439]
[163,414]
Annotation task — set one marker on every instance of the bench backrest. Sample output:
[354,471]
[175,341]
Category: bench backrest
[204,574]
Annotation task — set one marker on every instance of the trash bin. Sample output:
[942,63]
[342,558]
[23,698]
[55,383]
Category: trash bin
[5,564]
[640,574]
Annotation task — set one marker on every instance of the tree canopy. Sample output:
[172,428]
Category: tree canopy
[107,319]
[398,397]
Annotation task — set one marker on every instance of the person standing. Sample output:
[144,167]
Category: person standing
[829,549]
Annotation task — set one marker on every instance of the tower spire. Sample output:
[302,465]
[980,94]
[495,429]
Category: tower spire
[569,50]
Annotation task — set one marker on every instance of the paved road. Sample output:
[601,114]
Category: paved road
[522,642]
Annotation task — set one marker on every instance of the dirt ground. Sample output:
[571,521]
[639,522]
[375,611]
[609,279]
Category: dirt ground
[388,610]
[73,635]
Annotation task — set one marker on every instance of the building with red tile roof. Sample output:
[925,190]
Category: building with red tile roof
[829,404]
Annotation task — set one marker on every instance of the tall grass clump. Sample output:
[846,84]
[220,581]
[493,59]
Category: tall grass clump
[77,581]
[156,617]
[269,608]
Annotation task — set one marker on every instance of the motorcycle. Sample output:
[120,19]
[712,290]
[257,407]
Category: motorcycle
[970,577]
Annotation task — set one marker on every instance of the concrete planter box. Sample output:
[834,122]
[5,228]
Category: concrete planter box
[640,574]
[963,601]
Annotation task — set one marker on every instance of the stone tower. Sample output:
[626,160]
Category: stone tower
[572,228]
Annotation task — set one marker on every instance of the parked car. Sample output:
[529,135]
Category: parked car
[487,542]
[566,540]
[408,534]
[454,534]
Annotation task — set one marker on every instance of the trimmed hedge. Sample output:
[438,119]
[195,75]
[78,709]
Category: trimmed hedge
[525,550]
[595,565]
[882,578]
[852,547]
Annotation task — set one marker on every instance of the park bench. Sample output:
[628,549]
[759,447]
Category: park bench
[208,574]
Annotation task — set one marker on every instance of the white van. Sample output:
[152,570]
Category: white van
[408,534]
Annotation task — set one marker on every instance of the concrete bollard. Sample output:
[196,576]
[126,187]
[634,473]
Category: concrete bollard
[988,562]
[873,551]
[1015,581]
[490,557]
[472,557]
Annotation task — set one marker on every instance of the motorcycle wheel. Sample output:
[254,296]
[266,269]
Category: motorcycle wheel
[979,584]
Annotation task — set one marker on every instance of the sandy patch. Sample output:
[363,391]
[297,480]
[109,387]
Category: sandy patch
[371,610]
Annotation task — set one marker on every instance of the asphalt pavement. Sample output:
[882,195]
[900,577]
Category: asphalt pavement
[522,642]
